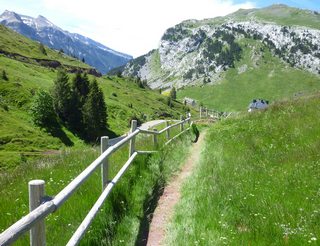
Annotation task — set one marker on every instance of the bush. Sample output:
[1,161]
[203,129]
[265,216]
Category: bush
[42,111]
[4,75]
[134,117]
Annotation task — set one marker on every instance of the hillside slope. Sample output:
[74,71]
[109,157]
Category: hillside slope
[20,139]
[207,52]
[197,52]
[259,178]
[73,44]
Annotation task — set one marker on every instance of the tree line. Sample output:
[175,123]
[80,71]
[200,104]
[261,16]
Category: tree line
[78,104]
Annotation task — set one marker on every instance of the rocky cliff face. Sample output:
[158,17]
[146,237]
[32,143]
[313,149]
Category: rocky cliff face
[42,30]
[197,52]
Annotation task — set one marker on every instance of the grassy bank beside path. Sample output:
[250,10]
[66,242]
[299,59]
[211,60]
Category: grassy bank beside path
[257,182]
[124,218]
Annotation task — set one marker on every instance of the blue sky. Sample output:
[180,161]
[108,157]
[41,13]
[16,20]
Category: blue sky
[133,26]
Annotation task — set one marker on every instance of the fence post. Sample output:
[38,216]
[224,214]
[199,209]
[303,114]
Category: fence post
[155,138]
[36,193]
[132,141]
[181,124]
[206,112]
[200,112]
[168,130]
[104,165]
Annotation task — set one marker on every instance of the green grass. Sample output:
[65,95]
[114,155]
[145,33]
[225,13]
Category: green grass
[279,14]
[16,43]
[288,16]
[123,218]
[20,139]
[257,182]
[267,77]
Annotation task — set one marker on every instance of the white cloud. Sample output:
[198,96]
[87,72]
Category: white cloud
[133,27]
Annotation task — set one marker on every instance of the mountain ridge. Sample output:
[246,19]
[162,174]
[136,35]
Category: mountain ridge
[195,52]
[42,30]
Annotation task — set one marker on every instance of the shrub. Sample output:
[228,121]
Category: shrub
[4,75]
[42,111]
[42,49]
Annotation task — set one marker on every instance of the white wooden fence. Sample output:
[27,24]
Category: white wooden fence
[40,207]
[208,113]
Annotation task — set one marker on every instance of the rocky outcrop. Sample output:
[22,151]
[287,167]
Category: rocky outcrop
[198,52]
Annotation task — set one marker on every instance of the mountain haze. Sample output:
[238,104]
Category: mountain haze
[42,30]
[204,52]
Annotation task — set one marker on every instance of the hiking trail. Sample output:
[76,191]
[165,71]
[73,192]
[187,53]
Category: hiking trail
[171,196]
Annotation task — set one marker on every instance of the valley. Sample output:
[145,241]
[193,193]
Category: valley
[20,139]
[254,176]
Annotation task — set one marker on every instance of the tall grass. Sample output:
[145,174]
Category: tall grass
[125,215]
[257,182]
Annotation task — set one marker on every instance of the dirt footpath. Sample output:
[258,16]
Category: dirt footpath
[171,196]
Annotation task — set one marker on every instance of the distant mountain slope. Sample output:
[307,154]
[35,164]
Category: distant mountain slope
[202,52]
[16,46]
[42,30]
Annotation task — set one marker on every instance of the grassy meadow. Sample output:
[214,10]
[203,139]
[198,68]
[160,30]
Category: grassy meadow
[257,182]
[124,219]
[20,139]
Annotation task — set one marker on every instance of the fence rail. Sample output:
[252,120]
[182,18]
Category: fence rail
[34,221]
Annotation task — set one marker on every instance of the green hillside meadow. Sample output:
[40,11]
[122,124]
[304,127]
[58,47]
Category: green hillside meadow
[20,139]
[257,182]
[265,76]
[28,152]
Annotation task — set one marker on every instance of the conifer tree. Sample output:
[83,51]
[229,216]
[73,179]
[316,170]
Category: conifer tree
[4,75]
[42,49]
[94,112]
[173,93]
[80,85]
[62,96]
[80,90]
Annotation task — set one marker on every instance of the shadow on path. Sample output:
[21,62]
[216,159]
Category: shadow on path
[149,207]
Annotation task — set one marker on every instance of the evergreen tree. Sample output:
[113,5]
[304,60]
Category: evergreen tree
[80,85]
[62,96]
[173,93]
[42,111]
[42,49]
[80,90]
[94,112]
[4,75]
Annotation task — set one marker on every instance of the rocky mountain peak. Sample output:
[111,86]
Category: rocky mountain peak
[10,17]
[42,22]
